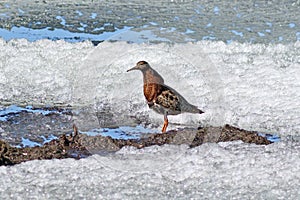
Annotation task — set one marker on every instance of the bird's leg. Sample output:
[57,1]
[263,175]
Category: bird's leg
[166,122]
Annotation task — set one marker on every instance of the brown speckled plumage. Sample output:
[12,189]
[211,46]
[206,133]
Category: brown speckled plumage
[160,97]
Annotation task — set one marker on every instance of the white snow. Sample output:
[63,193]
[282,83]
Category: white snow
[251,86]
[232,170]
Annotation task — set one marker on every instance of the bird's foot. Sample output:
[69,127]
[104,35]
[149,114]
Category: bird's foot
[164,129]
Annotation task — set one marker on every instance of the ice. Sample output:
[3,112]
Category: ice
[231,170]
[252,86]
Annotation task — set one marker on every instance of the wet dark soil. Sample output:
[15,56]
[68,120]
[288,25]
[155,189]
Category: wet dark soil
[34,125]
[78,146]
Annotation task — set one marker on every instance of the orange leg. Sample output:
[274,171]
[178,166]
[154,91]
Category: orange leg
[166,122]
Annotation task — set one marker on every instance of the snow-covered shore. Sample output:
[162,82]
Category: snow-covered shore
[253,86]
[233,170]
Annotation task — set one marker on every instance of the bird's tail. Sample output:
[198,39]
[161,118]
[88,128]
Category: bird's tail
[192,109]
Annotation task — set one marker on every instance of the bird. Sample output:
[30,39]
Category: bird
[160,97]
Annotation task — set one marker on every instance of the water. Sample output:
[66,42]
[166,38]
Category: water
[242,68]
[155,21]
[31,126]
[122,132]
[13,109]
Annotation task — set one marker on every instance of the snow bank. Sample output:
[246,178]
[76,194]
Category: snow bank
[253,86]
[232,170]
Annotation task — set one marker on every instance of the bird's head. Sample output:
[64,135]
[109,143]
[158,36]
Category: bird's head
[141,65]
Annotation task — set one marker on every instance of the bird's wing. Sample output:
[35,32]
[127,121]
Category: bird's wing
[169,99]
[182,104]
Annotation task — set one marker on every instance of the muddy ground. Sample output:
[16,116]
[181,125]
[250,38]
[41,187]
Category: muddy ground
[78,146]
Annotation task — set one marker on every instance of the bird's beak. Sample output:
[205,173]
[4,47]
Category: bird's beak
[134,68]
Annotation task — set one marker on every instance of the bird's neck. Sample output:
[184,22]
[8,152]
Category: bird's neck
[151,76]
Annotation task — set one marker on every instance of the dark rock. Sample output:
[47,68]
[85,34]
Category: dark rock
[79,146]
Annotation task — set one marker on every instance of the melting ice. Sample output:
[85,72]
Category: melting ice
[252,86]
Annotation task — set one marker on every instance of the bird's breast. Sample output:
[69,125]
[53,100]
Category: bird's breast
[151,90]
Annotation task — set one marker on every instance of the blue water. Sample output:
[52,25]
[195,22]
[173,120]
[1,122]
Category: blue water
[14,109]
[56,34]
[270,137]
[29,143]
[122,132]
[258,22]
